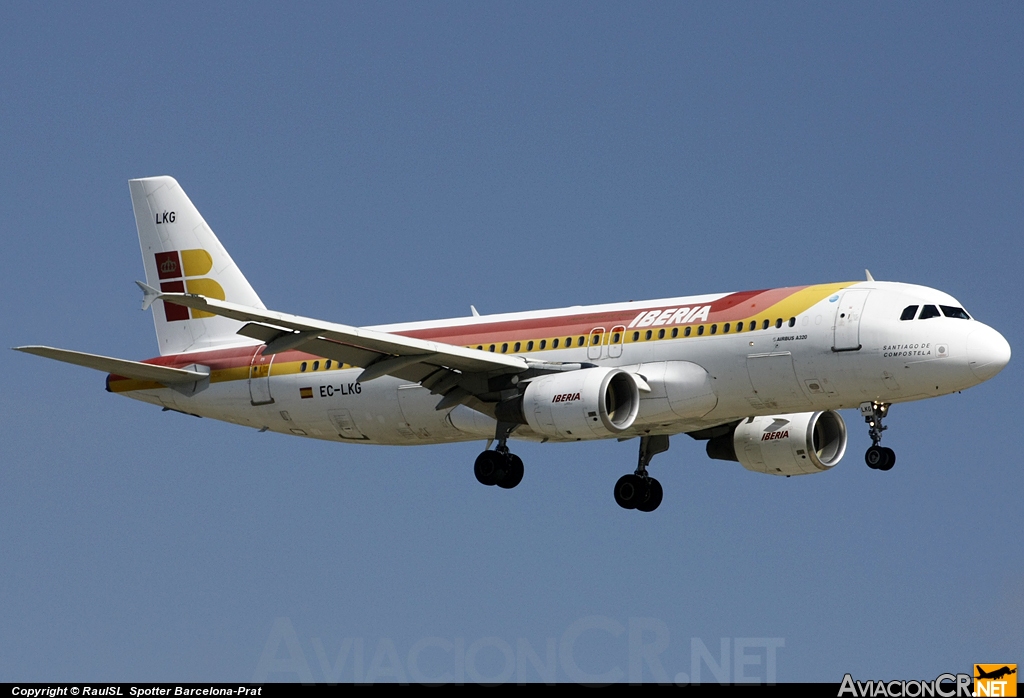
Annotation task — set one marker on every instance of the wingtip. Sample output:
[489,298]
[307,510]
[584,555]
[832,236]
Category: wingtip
[867,273]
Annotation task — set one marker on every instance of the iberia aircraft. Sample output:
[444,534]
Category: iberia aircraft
[757,374]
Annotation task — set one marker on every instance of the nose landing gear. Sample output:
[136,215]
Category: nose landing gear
[639,490]
[877,457]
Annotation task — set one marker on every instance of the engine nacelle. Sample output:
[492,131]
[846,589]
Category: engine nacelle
[784,444]
[591,403]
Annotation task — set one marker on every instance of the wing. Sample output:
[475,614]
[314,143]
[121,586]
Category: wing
[461,375]
[121,367]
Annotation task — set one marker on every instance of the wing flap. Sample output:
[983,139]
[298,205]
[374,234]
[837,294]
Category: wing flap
[121,367]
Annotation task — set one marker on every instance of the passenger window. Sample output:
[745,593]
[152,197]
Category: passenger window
[568,342]
[661,334]
[504,347]
[595,339]
[480,347]
[580,341]
[725,329]
[516,347]
[675,332]
[316,365]
[327,366]
[700,330]
[554,344]
[302,367]
[686,332]
[909,312]
[529,345]
[753,325]
[764,325]
[929,311]
[950,311]
[492,347]
[615,338]
[544,343]
[778,324]
[792,322]
[647,335]
[714,329]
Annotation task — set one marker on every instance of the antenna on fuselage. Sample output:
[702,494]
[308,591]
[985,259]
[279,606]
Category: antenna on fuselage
[867,273]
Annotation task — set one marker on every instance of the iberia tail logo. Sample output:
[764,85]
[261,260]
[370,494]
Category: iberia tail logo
[182,272]
[995,680]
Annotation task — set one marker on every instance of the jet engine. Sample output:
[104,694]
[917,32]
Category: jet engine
[591,403]
[784,444]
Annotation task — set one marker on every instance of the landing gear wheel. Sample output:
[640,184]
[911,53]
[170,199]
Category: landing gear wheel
[513,472]
[630,491]
[489,466]
[639,490]
[890,459]
[654,495]
[880,458]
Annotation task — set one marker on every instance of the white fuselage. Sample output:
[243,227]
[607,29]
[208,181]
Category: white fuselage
[842,351]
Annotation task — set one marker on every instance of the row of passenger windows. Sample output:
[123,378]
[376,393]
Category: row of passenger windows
[596,338]
[316,365]
[930,311]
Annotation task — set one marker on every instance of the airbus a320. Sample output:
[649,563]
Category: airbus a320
[759,375]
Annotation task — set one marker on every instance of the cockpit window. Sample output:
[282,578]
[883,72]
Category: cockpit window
[909,312]
[950,311]
[929,311]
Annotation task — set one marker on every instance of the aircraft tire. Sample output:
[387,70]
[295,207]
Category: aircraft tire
[890,459]
[875,457]
[488,467]
[630,490]
[513,472]
[654,496]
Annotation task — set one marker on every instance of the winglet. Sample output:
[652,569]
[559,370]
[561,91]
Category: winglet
[476,313]
[868,274]
[150,294]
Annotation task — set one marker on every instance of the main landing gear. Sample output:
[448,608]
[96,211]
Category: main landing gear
[877,457]
[499,467]
[640,491]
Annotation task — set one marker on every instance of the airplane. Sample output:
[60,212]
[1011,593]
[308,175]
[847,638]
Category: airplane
[995,674]
[758,375]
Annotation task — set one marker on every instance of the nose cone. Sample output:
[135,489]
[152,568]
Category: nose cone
[987,352]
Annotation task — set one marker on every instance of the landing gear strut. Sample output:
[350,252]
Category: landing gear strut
[499,467]
[639,490]
[877,457]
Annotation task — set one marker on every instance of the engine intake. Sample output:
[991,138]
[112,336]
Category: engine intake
[784,444]
[591,403]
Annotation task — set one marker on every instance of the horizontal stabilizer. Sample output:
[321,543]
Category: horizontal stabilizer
[121,367]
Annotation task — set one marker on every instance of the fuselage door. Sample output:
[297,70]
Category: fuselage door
[615,340]
[259,378]
[846,332]
[774,380]
[594,343]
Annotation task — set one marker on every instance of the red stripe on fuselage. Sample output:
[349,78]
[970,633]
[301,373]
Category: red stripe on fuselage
[734,306]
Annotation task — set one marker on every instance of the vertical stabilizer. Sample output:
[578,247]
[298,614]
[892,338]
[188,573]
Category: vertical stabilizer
[181,254]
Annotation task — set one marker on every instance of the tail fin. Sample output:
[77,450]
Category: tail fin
[181,254]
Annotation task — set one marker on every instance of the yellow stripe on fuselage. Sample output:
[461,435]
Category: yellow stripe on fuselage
[789,307]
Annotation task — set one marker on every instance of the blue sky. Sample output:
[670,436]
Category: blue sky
[370,163]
